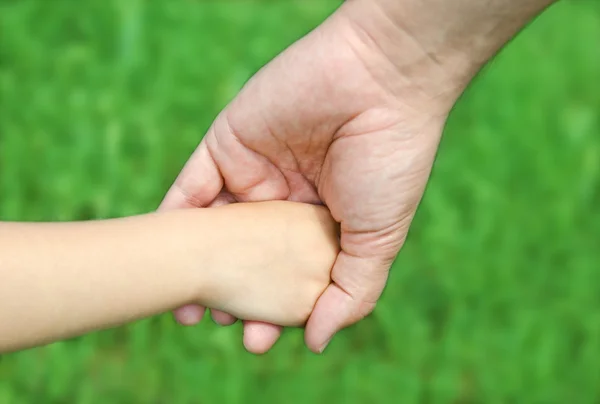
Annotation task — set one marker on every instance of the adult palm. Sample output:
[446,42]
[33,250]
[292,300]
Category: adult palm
[332,121]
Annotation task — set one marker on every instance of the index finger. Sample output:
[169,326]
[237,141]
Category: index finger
[197,185]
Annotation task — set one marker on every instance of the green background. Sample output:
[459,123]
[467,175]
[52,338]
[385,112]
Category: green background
[494,298]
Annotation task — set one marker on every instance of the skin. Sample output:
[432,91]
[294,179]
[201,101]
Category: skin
[349,116]
[263,262]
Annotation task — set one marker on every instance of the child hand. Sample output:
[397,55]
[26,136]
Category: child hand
[275,260]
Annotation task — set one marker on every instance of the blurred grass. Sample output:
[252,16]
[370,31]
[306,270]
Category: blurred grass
[494,299]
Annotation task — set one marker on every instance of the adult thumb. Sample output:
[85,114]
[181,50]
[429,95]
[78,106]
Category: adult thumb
[357,285]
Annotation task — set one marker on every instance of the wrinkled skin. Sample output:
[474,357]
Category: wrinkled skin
[319,125]
[349,119]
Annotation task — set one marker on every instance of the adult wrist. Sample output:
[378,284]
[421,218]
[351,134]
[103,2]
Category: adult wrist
[438,45]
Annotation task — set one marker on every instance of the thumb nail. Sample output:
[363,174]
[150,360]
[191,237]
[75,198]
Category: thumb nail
[324,345]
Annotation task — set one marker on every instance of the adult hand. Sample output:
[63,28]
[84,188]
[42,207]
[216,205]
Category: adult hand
[350,116]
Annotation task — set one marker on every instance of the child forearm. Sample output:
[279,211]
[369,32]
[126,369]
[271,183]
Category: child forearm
[64,279]
[265,261]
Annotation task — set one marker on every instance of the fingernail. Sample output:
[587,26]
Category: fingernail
[324,345]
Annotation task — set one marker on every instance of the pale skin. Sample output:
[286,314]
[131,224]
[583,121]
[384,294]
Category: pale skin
[259,261]
[349,116]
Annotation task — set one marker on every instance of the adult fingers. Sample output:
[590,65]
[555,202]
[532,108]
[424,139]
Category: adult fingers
[220,317]
[249,177]
[190,314]
[358,281]
[260,337]
[197,185]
